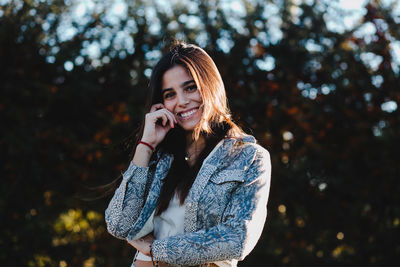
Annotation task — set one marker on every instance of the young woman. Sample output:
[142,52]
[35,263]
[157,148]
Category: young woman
[196,190]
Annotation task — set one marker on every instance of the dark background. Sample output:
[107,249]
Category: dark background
[322,101]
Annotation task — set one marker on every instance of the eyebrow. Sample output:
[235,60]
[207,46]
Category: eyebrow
[182,85]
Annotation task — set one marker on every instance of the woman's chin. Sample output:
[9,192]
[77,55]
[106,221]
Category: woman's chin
[188,125]
[188,128]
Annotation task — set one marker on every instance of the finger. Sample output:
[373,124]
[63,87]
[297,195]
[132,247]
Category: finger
[171,117]
[164,119]
[156,116]
[156,107]
[170,114]
[150,237]
[172,121]
[133,243]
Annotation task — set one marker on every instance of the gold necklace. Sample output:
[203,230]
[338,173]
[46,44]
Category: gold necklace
[188,156]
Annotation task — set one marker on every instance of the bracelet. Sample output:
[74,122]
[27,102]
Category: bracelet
[155,263]
[147,144]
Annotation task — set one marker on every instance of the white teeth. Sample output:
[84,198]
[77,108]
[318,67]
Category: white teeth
[187,114]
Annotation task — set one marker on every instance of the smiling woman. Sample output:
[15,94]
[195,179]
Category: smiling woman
[197,187]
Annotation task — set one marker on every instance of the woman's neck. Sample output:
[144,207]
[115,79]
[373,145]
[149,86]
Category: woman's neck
[190,141]
[193,147]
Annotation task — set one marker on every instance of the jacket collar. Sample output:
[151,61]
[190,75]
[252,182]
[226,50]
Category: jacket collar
[226,149]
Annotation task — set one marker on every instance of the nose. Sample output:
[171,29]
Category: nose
[182,99]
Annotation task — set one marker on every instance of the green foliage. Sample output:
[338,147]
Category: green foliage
[322,100]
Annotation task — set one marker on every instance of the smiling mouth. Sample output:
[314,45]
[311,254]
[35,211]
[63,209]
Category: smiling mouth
[187,114]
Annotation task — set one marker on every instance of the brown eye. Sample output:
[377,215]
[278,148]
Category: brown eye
[191,88]
[169,95]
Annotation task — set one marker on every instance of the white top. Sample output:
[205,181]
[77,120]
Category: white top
[169,223]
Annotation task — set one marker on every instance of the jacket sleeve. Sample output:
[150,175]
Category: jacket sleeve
[241,227]
[127,202]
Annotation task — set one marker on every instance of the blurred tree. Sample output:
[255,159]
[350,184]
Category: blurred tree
[323,102]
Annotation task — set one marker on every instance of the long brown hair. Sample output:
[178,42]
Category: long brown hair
[214,125]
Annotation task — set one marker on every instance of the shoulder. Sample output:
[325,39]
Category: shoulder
[256,161]
[245,151]
[249,146]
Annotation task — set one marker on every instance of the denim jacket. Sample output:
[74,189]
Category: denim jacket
[225,210]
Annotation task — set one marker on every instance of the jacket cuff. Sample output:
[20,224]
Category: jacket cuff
[159,250]
[139,172]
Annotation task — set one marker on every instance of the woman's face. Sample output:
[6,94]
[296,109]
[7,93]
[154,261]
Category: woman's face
[182,97]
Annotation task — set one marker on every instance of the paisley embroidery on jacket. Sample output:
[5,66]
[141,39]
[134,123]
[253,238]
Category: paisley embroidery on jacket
[225,209]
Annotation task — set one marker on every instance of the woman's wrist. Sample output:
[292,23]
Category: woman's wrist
[147,144]
[142,155]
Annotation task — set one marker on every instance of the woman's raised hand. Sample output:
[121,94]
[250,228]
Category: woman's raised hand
[157,124]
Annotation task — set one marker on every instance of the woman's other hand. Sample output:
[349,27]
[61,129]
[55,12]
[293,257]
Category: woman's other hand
[157,124]
[143,244]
